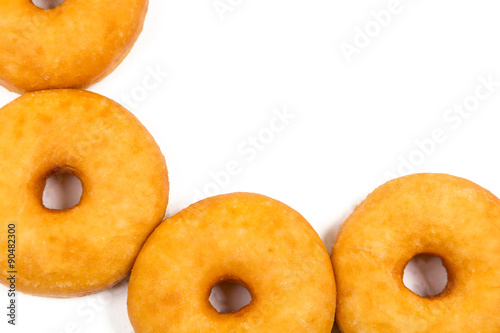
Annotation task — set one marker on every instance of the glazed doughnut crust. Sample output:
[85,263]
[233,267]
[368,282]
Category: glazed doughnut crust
[89,247]
[244,238]
[71,46]
[436,214]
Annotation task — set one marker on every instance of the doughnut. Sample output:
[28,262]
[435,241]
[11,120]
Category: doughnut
[93,245]
[436,214]
[243,238]
[71,46]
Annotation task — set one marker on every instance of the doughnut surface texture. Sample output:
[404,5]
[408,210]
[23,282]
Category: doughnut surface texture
[243,238]
[71,46]
[436,214]
[92,246]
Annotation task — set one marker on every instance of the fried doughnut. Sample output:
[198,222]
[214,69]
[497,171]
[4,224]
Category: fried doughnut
[71,46]
[437,214]
[92,246]
[243,238]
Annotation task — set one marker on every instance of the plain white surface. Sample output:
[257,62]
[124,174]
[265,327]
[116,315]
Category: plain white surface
[264,91]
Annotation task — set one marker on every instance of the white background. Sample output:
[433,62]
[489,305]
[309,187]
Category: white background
[353,121]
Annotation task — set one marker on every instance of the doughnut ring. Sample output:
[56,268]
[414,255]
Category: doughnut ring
[437,214]
[93,245]
[244,238]
[71,46]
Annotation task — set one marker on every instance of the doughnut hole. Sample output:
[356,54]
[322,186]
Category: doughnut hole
[425,275]
[47,4]
[229,297]
[62,190]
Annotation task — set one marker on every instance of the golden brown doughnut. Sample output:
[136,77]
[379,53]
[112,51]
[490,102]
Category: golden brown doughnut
[445,216]
[92,246]
[71,46]
[243,238]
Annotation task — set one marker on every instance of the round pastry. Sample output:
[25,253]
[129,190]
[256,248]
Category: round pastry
[437,214]
[71,46]
[93,245]
[243,238]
